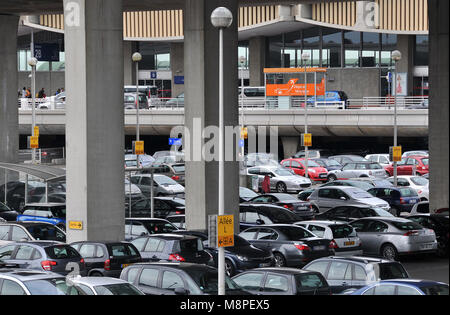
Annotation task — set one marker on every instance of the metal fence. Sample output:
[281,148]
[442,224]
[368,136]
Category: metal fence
[43,155]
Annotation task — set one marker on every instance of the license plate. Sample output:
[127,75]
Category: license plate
[125,265]
[426,246]
[412,201]
[321,247]
[264,265]
[323,175]
[350,243]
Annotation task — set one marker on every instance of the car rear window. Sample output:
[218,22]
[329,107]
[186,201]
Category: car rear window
[62,252]
[178,168]
[46,232]
[407,226]
[122,250]
[392,271]
[310,281]
[408,192]
[190,245]
[342,231]
[295,233]
[437,289]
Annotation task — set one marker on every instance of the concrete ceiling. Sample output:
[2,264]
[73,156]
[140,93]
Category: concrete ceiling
[30,7]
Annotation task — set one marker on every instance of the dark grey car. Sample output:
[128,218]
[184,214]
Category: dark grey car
[291,245]
[44,256]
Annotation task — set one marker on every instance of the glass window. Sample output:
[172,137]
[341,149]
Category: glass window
[11,288]
[371,48]
[437,289]
[249,234]
[152,245]
[24,253]
[149,277]
[62,252]
[54,286]
[6,252]
[377,226]
[132,274]
[276,283]
[87,251]
[138,229]
[266,234]
[385,289]
[332,44]
[249,281]
[352,44]
[275,48]
[388,44]
[311,44]
[100,252]
[342,231]
[317,230]
[139,243]
[371,291]
[421,51]
[86,289]
[251,217]
[171,281]
[4,232]
[310,281]
[320,266]
[18,234]
[338,270]
[402,290]
[360,273]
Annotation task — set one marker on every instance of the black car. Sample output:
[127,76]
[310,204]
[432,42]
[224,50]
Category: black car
[178,279]
[252,214]
[238,258]
[7,214]
[439,223]
[350,213]
[245,194]
[179,220]
[107,258]
[343,273]
[43,256]
[329,164]
[282,281]
[301,208]
[172,247]
[162,207]
[137,227]
[291,245]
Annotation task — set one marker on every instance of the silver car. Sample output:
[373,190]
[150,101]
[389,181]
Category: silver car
[392,237]
[104,286]
[163,185]
[358,169]
[343,236]
[282,180]
[328,197]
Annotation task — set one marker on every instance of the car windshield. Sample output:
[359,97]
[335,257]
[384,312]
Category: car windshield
[407,226]
[437,289]
[164,180]
[208,281]
[382,183]
[407,192]
[117,289]
[295,233]
[311,163]
[46,232]
[247,193]
[425,161]
[331,162]
[379,212]
[419,181]
[281,172]
[286,197]
[178,168]
[342,231]
[358,193]
[52,286]
[375,166]
[391,271]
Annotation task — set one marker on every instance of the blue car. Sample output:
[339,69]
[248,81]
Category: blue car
[330,96]
[400,199]
[404,287]
[49,213]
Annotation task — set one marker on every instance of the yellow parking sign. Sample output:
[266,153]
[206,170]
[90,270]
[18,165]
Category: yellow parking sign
[306,140]
[36,131]
[139,147]
[34,142]
[225,231]
[397,154]
[75,225]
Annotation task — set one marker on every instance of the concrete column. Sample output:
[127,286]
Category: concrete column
[439,104]
[290,146]
[405,44]
[201,47]
[257,60]
[129,76]
[9,116]
[177,66]
[95,119]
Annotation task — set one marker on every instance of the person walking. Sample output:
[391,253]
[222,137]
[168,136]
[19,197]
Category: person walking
[41,93]
[266,184]
[24,92]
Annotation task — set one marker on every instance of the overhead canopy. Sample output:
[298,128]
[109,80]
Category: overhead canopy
[46,173]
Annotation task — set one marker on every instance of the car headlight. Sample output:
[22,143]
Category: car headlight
[242,258]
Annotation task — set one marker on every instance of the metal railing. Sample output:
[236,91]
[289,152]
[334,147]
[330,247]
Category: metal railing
[43,155]
[403,102]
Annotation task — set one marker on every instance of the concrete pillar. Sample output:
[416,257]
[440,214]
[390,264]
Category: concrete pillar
[9,117]
[177,67]
[405,44]
[290,146]
[95,119]
[257,60]
[129,75]
[201,47]
[439,104]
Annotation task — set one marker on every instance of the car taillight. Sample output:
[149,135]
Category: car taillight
[175,177]
[47,265]
[411,233]
[333,244]
[419,191]
[176,257]
[107,265]
[290,207]
[302,247]
[82,261]
[402,201]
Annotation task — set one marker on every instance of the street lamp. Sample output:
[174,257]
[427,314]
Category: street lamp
[32,62]
[305,58]
[242,61]
[396,56]
[221,18]
[137,57]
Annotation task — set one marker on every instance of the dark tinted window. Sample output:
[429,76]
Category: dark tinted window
[61,252]
[437,289]
[192,245]
[408,192]
[46,232]
[278,215]
[310,281]
[342,231]
[392,271]
[407,226]
[149,277]
[295,233]
[121,250]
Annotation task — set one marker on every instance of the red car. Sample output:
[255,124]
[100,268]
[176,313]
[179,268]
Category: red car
[411,165]
[315,171]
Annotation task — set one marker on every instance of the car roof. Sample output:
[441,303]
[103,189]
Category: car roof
[27,274]
[414,282]
[40,243]
[387,219]
[172,237]
[26,223]
[94,281]
[147,219]
[178,265]
[360,259]
[283,270]
[339,187]
[100,242]
[49,204]
[323,222]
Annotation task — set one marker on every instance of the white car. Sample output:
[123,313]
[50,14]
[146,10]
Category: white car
[418,152]
[356,170]
[132,189]
[282,180]
[382,159]
[422,207]
[418,183]
[54,102]
[104,286]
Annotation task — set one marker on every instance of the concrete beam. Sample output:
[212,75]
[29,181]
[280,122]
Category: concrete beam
[95,118]
[290,146]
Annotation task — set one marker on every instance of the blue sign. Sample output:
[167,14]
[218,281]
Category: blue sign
[389,77]
[46,52]
[175,141]
[178,79]
[153,75]
[241,143]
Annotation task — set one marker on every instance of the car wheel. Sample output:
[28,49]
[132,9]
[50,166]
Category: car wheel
[229,268]
[332,178]
[281,187]
[389,252]
[280,261]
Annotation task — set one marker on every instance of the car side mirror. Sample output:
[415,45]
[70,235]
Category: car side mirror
[342,198]
[181,291]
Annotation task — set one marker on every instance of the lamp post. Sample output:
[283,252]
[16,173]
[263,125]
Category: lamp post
[32,62]
[137,57]
[242,61]
[305,58]
[396,56]
[221,18]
